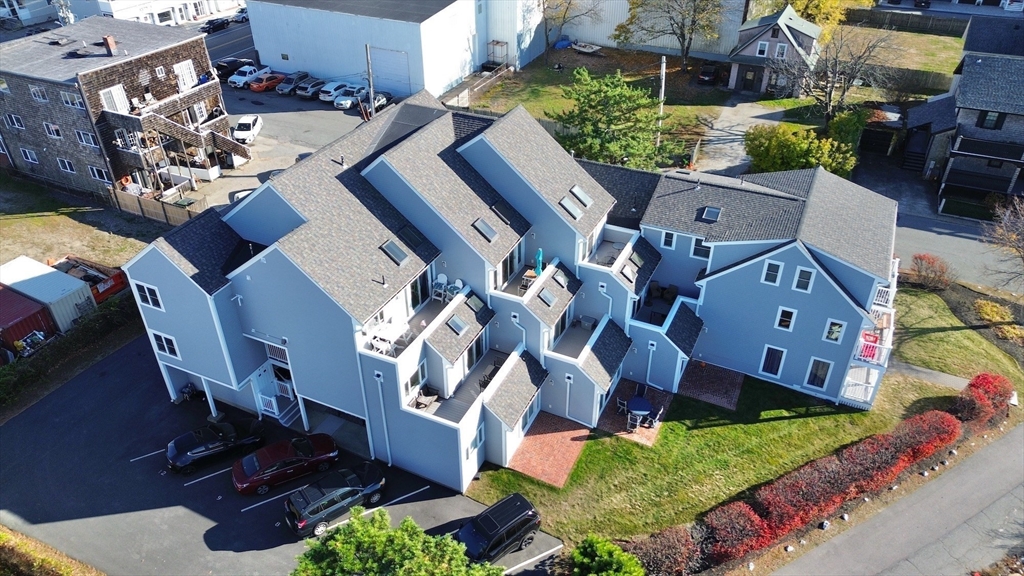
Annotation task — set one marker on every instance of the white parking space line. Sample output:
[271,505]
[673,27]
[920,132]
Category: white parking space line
[399,499]
[148,455]
[207,476]
[533,560]
[288,493]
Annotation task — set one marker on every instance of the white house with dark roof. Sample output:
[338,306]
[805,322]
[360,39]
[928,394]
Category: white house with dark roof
[439,278]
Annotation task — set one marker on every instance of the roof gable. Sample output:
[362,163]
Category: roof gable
[201,248]
[517,389]
[993,83]
[995,35]
[606,354]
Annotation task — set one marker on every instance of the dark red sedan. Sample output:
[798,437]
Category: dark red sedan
[282,461]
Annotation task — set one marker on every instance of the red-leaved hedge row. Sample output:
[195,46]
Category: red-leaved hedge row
[671,552]
[984,401]
[822,486]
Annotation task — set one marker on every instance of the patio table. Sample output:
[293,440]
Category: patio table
[639,405]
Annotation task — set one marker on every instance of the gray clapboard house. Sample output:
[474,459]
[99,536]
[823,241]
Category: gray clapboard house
[441,278]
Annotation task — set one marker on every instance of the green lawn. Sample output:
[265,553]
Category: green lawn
[705,455]
[917,51]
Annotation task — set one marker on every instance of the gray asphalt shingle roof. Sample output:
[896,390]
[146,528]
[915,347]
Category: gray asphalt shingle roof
[35,56]
[450,344]
[517,390]
[993,83]
[940,113]
[649,256]
[563,296]
[339,246]
[428,161]
[631,188]
[524,143]
[684,329]
[415,11]
[606,354]
[786,17]
[995,35]
[199,248]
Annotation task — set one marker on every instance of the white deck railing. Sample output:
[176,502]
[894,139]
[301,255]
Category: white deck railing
[268,404]
[873,353]
[885,296]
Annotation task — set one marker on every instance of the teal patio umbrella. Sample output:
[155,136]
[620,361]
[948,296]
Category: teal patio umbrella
[540,261]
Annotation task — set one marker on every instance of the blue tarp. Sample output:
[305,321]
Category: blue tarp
[563,44]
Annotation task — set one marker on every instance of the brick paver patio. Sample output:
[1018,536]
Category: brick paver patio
[614,423]
[550,449]
[711,384]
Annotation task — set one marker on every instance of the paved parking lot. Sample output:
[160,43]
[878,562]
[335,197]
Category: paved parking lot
[83,470]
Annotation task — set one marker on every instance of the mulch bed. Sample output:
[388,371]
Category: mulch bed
[960,300]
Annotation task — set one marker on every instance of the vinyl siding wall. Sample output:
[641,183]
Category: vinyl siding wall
[265,218]
[861,285]
[677,265]
[663,361]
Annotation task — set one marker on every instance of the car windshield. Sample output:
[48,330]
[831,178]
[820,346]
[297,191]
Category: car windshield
[243,127]
[348,92]
[250,465]
[473,539]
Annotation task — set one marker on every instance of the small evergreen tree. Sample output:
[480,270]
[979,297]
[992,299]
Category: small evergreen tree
[597,556]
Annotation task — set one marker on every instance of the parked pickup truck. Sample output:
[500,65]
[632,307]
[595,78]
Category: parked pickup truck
[104,281]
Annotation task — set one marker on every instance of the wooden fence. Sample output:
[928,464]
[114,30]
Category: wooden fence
[916,80]
[907,21]
[155,209]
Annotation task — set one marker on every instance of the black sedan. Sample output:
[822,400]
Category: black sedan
[310,509]
[214,24]
[188,451]
[708,74]
[228,66]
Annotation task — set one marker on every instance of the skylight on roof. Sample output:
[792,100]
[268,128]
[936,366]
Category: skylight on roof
[582,196]
[411,237]
[394,252]
[629,273]
[575,211]
[475,302]
[503,210]
[637,260]
[458,325]
[547,297]
[560,278]
[711,214]
[485,229]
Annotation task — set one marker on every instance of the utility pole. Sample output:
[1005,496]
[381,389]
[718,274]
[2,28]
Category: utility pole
[661,103]
[369,79]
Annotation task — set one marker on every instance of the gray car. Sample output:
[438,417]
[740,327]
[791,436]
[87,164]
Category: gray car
[291,82]
[310,509]
[309,88]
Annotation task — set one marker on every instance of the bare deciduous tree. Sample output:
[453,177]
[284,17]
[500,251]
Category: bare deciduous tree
[1007,233]
[560,13]
[683,20]
[850,58]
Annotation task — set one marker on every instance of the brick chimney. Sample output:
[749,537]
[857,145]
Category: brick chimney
[111,45]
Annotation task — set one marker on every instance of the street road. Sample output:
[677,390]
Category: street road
[235,40]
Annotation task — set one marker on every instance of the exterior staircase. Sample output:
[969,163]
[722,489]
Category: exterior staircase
[289,414]
[913,161]
[229,145]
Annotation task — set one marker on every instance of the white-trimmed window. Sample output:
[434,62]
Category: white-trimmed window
[165,345]
[186,74]
[700,249]
[780,50]
[531,412]
[87,139]
[148,295]
[99,174]
[38,93]
[834,331]
[762,49]
[72,100]
[818,372]
[772,360]
[66,165]
[418,378]
[4,87]
[52,130]
[13,121]
[668,240]
[772,272]
[125,139]
[114,99]
[160,72]
[477,442]
[803,280]
[785,319]
[29,155]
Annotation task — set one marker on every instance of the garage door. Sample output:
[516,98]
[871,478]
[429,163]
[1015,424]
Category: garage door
[390,71]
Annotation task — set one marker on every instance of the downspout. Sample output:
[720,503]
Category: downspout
[603,289]
[650,359]
[515,320]
[379,377]
[366,409]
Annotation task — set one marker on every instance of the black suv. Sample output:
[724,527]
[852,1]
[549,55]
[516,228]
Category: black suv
[507,526]
[215,24]
[309,510]
[227,67]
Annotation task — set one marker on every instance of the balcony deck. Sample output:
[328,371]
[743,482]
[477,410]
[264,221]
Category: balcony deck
[606,253]
[990,149]
[420,320]
[656,314]
[573,340]
[978,181]
[512,287]
[455,407]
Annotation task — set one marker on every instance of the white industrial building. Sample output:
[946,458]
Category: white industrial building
[163,12]
[414,45]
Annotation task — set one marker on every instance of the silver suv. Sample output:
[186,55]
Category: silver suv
[310,87]
[291,82]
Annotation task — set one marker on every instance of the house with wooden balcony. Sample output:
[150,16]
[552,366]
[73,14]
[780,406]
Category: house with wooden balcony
[436,279]
[107,103]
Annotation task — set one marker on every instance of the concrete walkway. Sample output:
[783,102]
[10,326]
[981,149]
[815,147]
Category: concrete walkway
[722,150]
[932,376]
[964,520]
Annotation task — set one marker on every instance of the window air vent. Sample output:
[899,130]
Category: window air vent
[411,237]
[394,252]
[485,229]
[571,207]
[582,196]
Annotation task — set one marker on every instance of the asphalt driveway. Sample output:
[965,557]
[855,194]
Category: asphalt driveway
[83,470]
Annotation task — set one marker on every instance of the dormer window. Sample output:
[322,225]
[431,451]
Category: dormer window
[395,252]
[582,196]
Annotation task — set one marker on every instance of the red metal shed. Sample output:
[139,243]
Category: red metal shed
[20,316]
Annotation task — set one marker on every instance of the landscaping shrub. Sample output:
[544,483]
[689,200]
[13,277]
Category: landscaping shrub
[984,401]
[848,126]
[600,557]
[733,530]
[773,148]
[931,272]
[1001,320]
[805,494]
[921,436]
[671,552]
